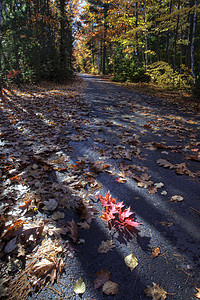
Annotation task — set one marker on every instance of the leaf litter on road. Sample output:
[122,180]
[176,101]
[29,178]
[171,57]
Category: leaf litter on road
[59,182]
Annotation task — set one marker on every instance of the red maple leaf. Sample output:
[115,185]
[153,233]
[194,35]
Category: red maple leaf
[114,214]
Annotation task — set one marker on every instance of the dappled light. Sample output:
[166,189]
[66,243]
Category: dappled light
[97,182]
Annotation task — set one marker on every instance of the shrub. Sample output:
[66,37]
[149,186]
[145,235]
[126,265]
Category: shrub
[162,73]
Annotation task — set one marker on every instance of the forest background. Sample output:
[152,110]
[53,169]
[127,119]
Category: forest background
[135,41]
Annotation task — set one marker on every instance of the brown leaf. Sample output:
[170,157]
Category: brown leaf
[87,211]
[110,288]
[106,246]
[73,229]
[102,277]
[155,252]
[84,225]
[165,163]
[57,231]
[152,190]
[156,292]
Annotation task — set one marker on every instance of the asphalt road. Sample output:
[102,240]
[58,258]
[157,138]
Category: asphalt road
[161,131]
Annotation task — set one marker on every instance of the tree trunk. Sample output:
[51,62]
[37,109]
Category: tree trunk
[193,40]
[62,36]
[0,46]
[167,37]
[188,49]
[176,35]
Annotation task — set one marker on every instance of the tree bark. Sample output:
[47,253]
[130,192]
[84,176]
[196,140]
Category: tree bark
[1,2]
[193,40]
[176,36]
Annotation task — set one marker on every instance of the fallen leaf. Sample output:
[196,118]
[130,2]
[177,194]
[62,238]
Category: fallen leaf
[58,215]
[155,252]
[87,211]
[102,277]
[106,246]
[165,163]
[159,185]
[131,261]
[197,294]
[176,198]
[79,286]
[156,292]
[51,204]
[164,193]
[84,225]
[57,231]
[73,229]
[3,289]
[110,288]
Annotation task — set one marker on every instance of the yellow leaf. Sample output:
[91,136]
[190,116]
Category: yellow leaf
[197,294]
[79,286]
[110,288]
[131,261]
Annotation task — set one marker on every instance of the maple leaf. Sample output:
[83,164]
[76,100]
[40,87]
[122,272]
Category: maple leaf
[124,214]
[102,277]
[156,292]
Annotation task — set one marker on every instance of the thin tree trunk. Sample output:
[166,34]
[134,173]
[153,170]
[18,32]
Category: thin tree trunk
[146,42]
[193,40]
[62,36]
[190,33]
[136,25]
[175,38]
[0,46]
[167,37]
[16,43]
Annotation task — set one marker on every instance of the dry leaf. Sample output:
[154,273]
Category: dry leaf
[159,185]
[58,215]
[165,163]
[3,289]
[131,261]
[73,229]
[79,286]
[51,204]
[106,246]
[197,294]
[110,288]
[102,277]
[84,225]
[57,231]
[155,252]
[176,198]
[87,211]
[156,292]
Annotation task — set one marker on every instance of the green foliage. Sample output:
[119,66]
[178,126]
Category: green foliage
[162,74]
[35,41]
[130,72]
